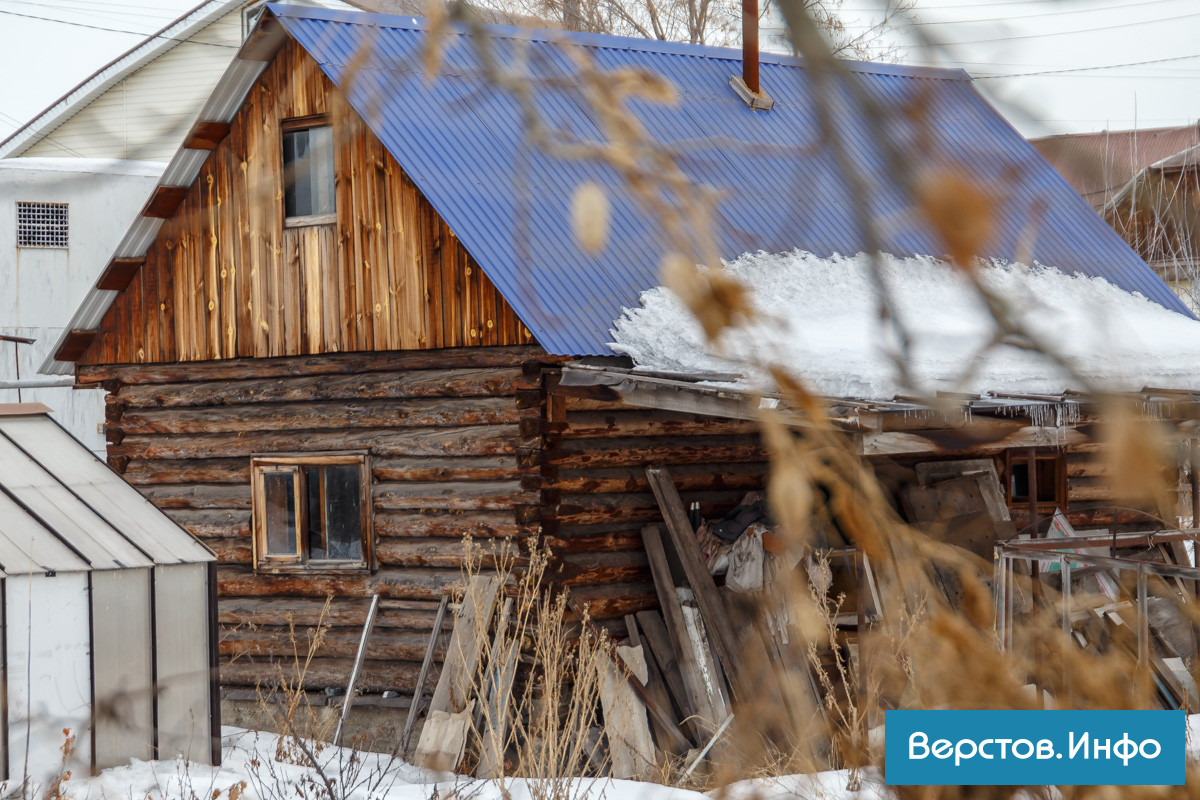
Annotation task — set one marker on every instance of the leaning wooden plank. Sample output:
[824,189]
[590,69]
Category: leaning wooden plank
[658,643]
[443,740]
[466,643]
[698,705]
[639,686]
[414,709]
[712,609]
[629,744]
[655,686]
[699,640]
[491,719]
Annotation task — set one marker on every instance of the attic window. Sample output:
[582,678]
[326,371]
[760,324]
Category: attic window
[308,185]
[311,512]
[42,224]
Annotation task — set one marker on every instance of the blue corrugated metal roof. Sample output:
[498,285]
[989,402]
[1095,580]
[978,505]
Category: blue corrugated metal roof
[463,143]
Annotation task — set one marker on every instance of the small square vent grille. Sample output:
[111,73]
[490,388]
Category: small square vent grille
[42,224]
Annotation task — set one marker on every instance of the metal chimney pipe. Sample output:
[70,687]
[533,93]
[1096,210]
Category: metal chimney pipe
[750,44]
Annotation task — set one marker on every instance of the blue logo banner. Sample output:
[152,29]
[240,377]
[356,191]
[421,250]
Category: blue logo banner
[1034,748]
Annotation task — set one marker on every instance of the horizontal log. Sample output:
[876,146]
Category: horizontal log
[603,569]
[150,472]
[212,523]
[397,584]
[465,468]
[331,364]
[584,509]
[368,386]
[323,673]
[482,524]
[585,453]
[1079,489]
[572,402]
[474,440]
[1088,467]
[324,415]
[629,424]
[200,496]
[607,602]
[445,553]
[336,642]
[414,615]
[565,541]
[698,477]
[456,495]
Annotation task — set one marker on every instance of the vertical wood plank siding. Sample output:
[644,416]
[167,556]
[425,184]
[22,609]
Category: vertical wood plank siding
[443,430]
[226,279]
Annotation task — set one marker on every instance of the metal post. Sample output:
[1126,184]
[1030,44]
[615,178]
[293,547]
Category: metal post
[1065,571]
[1143,631]
[358,660]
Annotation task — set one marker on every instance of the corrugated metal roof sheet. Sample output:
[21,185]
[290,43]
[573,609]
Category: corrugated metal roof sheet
[463,142]
[62,510]
[1099,164]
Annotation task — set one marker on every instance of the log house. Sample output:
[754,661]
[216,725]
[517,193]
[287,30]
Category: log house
[304,327]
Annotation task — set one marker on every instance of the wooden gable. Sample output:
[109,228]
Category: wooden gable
[226,279]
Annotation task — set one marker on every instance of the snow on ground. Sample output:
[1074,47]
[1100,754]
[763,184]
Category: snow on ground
[249,758]
[819,317]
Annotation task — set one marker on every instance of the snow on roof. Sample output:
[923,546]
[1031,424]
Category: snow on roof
[819,317]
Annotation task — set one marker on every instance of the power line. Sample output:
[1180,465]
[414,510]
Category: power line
[913,23]
[1060,33]
[143,34]
[1087,69]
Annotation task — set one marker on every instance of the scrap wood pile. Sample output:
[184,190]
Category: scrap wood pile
[1101,603]
[668,684]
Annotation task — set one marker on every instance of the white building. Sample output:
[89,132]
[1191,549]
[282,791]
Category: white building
[74,177]
[60,219]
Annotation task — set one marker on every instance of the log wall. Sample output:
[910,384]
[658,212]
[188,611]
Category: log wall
[444,433]
[595,497]
[226,279]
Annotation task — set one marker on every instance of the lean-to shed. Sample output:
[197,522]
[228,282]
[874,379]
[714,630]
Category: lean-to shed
[107,623]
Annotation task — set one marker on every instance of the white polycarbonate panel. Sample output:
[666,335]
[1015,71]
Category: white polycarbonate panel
[182,636]
[64,513]
[122,666]
[26,546]
[49,673]
[112,498]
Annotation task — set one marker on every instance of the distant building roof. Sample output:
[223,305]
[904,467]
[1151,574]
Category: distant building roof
[463,142]
[1098,165]
[1182,160]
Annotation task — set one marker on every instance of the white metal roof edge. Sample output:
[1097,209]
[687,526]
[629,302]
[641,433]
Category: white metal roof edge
[155,44]
[222,105]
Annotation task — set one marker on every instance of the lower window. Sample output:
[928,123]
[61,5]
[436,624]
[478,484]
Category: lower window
[311,511]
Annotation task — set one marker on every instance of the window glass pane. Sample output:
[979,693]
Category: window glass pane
[316,536]
[308,172]
[343,512]
[279,515]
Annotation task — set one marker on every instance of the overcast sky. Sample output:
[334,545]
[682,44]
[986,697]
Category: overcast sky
[1089,64]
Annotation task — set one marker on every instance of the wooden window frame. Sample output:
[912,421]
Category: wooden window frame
[262,465]
[1045,507]
[299,124]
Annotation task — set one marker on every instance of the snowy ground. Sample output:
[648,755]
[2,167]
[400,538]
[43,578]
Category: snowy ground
[251,772]
[819,317]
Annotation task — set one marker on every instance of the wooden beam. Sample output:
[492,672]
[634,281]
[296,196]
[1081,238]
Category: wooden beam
[74,345]
[684,538]
[119,273]
[953,441]
[206,135]
[165,202]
